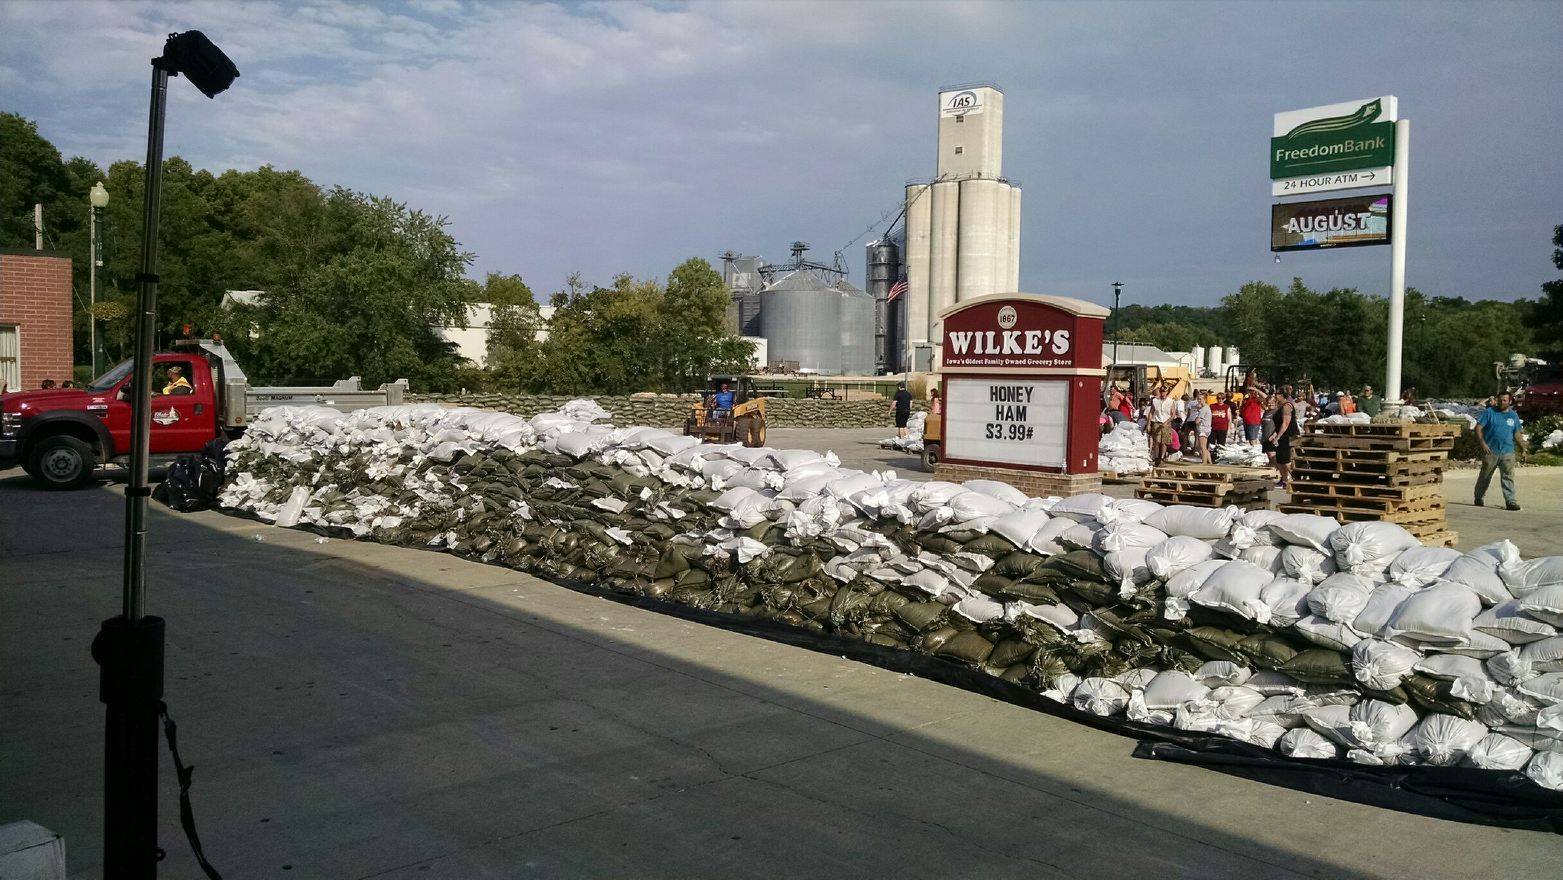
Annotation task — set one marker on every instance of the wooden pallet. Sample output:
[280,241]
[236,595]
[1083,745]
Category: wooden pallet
[1390,429]
[1245,501]
[1330,492]
[1115,478]
[1230,472]
[1397,444]
[1326,476]
[1435,535]
[1371,457]
[1344,513]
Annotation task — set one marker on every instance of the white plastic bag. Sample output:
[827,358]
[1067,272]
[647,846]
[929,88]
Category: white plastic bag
[1099,696]
[1467,676]
[1368,548]
[1545,604]
[1306,530]
[1509,622]
[1175,554]
[1287,599]
[1236,587]
[1304,743]
[1443,740]
[1171,689]
[1305,563]
[1205,523]
[1381,665]
[1420,566]
[1498,752]
[1340,597]
[1546,769]
[1439,615]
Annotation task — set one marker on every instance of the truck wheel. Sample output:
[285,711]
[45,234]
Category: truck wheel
[63,463]
[930,455]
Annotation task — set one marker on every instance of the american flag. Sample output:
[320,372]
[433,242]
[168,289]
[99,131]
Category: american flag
[896,290]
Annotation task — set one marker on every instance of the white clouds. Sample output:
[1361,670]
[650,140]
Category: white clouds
[615,136]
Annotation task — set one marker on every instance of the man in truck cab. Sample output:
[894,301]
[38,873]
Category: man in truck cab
[177,383]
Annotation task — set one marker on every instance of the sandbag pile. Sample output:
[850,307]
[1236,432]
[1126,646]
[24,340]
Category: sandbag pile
[1124,450]
[1288,631]
[913,441]
[1242,454]
[671,410]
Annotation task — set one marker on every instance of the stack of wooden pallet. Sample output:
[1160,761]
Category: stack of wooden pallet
[1390,472]
[1208,485]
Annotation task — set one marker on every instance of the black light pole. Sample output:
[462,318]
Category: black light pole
[1117,291]
[129,648]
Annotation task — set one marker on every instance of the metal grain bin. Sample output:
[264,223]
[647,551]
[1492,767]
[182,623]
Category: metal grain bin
[801,317]
[857,331]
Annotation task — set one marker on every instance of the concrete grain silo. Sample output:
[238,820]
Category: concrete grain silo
[962,229]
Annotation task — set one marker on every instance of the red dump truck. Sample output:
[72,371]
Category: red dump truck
[199,393]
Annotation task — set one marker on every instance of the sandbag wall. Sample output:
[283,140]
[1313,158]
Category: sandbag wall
[1290,632]
[670,410]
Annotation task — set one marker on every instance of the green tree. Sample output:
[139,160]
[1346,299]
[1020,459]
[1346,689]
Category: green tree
[1548,314]
[693,326]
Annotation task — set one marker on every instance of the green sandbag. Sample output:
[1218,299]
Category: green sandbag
[933,640]
[967,646]
[939,544]
[1318,666]
[919,615]
[1078,565]
[887,602]
[817,610]
[1266,651]
[1095,593]
[992,583]
[1019,564]
[962,536]
[1010,651]
[1017,674]
[1433,695]
[1037,594]
[692,577]
[990,545]
[1213,643]
[801,568]
[671,563]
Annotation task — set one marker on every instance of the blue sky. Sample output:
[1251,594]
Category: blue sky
[611,138]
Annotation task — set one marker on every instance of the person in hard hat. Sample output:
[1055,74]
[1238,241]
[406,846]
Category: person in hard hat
[177,383]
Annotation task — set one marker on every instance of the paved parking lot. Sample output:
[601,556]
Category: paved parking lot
[355,710]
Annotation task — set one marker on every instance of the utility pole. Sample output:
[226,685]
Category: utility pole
[1117,292]
[97,198]
[38,226]
[1397,261]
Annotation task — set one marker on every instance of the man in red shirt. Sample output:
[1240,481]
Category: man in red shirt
[1253,413]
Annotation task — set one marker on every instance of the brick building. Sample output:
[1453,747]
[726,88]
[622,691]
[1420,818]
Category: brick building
[35,318]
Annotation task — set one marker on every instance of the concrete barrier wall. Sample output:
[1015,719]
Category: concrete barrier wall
[670,410]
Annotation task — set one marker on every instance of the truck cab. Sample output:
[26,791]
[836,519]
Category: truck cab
[60,435]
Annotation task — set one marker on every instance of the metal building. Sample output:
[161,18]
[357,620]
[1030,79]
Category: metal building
[744,276]
[857,331]
[800,317]
[962,227]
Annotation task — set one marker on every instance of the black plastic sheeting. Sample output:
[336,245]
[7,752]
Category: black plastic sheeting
[1501,798]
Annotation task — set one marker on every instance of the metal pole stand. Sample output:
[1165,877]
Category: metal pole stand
[130,659]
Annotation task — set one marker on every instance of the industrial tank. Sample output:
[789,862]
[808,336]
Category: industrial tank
[800,315]
[1213,360]
[857,331]
[884,269]
[916,303]
[944,253]
[1232,356]
[977,240]
[1198,353]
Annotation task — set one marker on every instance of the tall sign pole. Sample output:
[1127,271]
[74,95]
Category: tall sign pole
[1397,261]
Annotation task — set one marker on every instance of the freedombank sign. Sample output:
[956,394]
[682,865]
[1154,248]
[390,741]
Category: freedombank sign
[1337,146]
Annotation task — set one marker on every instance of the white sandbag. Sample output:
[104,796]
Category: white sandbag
[1287,599]
[1547,688]
[978,609]
[1545,604]
[1479,571]
[1002,491]
[971,505]
[1467,676]
[1061,617]
[1205,523]
[1127,510]
[1059,689]
[1221,673]
[932,494]
[1127,536]
[1332,721]
[1439,615]
[1099,696]
[672,444]
[1340,597]
[1265,556]
[1079,537]
[1375,722]
[1236,587]
[1127,567]
[1018,526]
[1420,566]
[1381,665]
[802,488]
[850,484]
[1498,752]
[1368,548]
[1546,768]
[1545,655]
[1481,646]
[1171,689]
[1380,607]
[792,459]
[1306,529]
[1081,508]
[1444,740]
[1285,710]
[1524,577]
[1305,563]
[1272,684]
[1509,668]
[1509,622]
[1175,554]
[1184,584]
[288,515]
[1327,633]
[1304,743]
[1136,679]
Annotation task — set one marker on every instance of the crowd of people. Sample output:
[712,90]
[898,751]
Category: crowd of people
[1192,426]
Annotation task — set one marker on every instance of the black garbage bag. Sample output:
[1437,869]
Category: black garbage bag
[193,481]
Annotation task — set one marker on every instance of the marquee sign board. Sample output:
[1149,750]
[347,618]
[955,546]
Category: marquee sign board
[1318,141]
[1354,221]
[1008,421]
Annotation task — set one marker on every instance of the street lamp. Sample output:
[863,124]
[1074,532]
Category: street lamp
[129,648]
[99,199]
[1117,292]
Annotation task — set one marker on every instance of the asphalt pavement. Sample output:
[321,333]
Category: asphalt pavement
[356,710]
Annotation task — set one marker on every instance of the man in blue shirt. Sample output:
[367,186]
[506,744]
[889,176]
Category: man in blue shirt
[1498,429]
[723,402]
